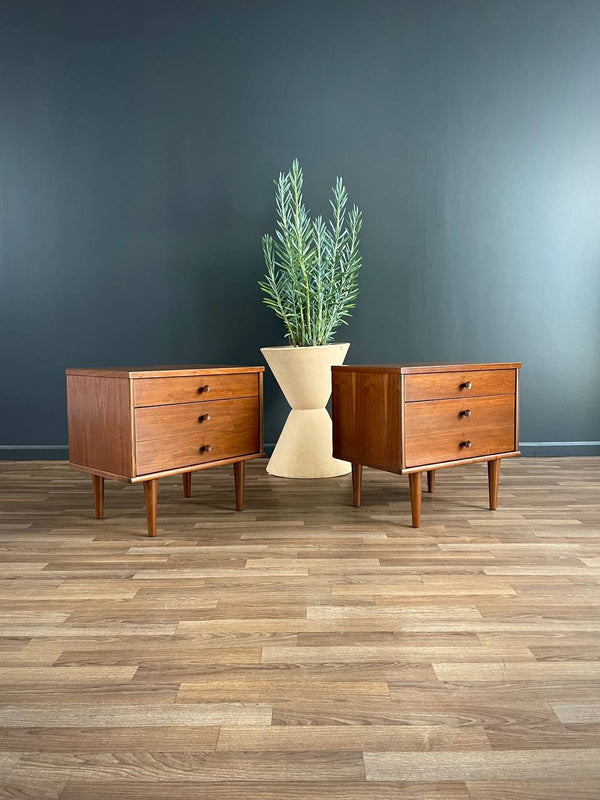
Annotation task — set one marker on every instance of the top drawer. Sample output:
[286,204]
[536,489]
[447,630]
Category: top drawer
[444,385]
[164,391]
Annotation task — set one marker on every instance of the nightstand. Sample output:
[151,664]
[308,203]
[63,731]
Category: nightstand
[140,424]
[416,418]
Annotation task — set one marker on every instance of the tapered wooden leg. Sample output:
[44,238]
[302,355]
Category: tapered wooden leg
[187,484]
[98,483]
[415,480]
[357,471]
[151,495]
[493,481]
[239,474]
[430,480]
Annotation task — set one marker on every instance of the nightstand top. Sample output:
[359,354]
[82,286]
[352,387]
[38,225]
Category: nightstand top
[165,371]
[407,368]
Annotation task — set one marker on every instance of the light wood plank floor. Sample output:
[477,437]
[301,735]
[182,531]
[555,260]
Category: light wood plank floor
[303,649]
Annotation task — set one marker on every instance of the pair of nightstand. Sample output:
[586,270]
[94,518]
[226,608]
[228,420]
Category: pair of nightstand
[139,425]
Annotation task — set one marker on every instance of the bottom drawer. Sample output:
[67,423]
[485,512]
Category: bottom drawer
[156,455]
[451,446]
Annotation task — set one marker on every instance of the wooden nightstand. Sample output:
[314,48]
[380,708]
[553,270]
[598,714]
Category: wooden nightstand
[140,424]
[415,418]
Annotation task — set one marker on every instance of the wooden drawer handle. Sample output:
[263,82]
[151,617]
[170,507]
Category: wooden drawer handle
[466,385]
[467,444]
[466,413]
[206,448]
[204,418]
[204,389]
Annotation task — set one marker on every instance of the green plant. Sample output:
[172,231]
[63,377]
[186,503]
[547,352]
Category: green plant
[312,266]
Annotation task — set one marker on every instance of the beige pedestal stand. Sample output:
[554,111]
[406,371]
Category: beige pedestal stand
[305,445]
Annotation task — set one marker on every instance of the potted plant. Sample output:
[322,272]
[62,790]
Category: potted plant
[311,284]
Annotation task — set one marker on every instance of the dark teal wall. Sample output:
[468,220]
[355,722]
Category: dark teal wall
[139,141]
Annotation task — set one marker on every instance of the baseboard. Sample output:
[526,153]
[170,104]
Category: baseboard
[60,452]
[552,449]
[34,452]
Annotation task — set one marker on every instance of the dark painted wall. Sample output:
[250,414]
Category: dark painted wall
[138,145]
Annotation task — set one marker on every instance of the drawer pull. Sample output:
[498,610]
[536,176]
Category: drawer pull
[466,385]
[203,417]
[466,413]
[466,444]
[206,448]
[204,389]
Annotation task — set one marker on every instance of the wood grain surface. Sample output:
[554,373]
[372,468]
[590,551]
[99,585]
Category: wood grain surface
[366,409]
[163,391]
[464,385]
[308,649]
[237,436]
[462,442]
[99,413]
[196,420]
[463,417]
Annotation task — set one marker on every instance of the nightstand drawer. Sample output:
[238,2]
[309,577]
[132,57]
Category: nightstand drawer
[463,417]
[184,450]
[207,419]
[446,446]
[475,383]
[166,391]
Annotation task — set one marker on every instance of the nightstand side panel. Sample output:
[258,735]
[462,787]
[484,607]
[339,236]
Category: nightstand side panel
[366,418]
[100,424]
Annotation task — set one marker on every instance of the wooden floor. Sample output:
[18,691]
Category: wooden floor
[304,649]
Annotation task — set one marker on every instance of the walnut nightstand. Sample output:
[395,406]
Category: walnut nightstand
[140,424]
[415,418]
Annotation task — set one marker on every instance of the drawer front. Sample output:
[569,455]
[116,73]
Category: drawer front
[156,455]
[166,391]
[442,385]
[461,417]
[198,420]
[428,449]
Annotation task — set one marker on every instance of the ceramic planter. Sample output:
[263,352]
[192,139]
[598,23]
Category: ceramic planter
[304,449]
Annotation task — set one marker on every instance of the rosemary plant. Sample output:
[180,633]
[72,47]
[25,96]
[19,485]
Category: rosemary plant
[312,266]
